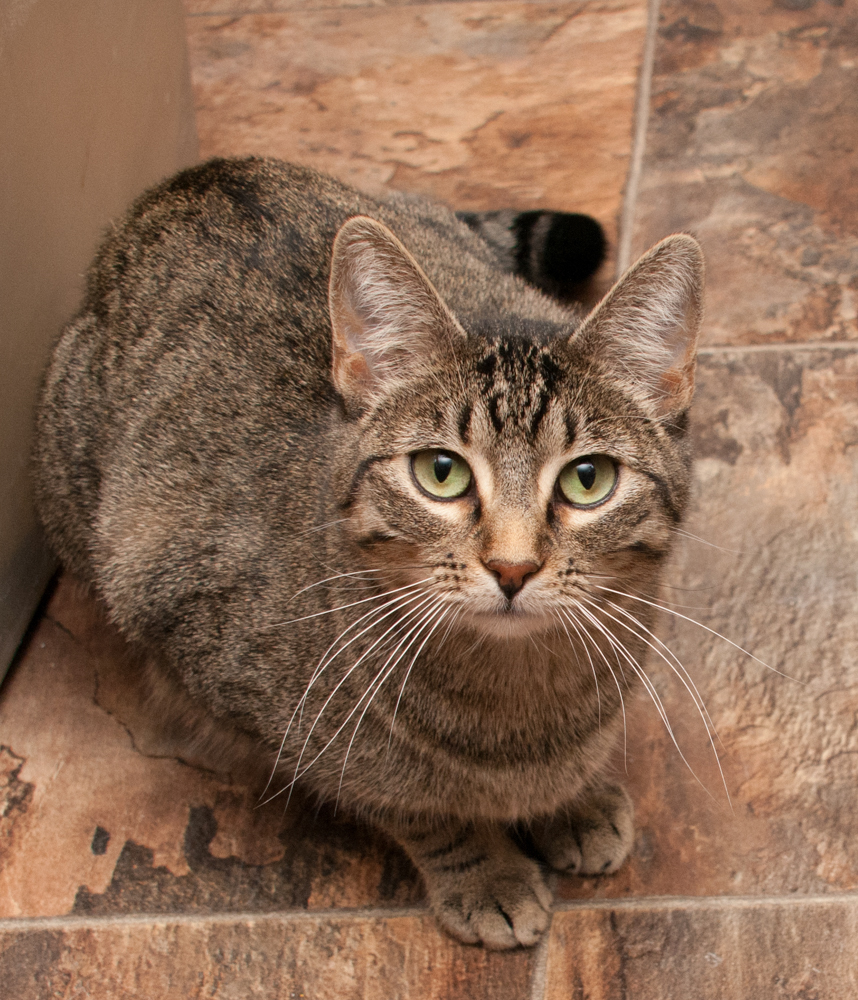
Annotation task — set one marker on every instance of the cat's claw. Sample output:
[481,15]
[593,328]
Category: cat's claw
[482,888]
[593,837]
[498,911]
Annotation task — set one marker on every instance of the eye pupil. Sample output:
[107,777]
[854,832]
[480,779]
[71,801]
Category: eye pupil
[588,480]
[586,474]
[443,466]
[441,475]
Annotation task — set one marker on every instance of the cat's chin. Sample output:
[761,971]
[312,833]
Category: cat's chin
[510,623]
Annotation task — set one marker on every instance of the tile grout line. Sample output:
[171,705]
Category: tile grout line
[664,903]
[782,345]
[319,7]
[641,125]
[708,903]
[539,975]
[19,924]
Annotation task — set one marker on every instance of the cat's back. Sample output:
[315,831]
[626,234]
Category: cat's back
[242,242]
[203,299]
[201,354]
[220,259]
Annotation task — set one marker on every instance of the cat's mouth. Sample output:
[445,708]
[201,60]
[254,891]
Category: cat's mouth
[511,608]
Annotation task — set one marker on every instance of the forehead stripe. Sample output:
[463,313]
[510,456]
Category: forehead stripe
[464,423]
[571,429]
[541,410]
[494,413]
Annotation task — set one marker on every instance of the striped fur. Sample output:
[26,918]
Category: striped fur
[557,252]
[224,455]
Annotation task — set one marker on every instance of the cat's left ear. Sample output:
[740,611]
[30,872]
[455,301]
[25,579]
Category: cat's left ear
[644,332]
[387,320]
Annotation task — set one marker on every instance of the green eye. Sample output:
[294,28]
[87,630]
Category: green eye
[441,474]
[588,481]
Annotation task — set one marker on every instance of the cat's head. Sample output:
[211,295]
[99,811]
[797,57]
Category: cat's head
[503,464]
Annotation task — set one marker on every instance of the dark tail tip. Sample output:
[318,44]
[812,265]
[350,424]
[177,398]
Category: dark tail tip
[558,251]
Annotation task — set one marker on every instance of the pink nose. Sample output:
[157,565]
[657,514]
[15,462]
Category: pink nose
[511,576]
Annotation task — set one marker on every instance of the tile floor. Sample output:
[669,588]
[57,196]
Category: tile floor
[126,871]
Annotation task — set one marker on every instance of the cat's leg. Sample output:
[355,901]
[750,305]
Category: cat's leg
[481,887]
[554,251]
[593,836]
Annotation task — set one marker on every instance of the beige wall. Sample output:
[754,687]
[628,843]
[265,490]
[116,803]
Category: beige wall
[95,105]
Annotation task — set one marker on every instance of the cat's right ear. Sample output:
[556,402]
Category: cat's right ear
[387,320]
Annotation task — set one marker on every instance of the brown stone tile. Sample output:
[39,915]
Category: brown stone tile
[481,104]
[728,950]
[102,817]
[332,958]
[775,570]
[752,146]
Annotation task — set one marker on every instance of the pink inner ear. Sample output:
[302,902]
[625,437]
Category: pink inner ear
[356,369]
[672,381]
[676,386]
[386,316]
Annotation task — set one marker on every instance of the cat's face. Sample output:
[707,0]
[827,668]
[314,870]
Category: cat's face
[505,476]
[516,489]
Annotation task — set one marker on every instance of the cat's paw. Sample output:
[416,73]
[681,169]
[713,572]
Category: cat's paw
[593,837]
[482,889]
[500,906]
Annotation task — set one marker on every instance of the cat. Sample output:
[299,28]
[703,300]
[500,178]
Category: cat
[375,506]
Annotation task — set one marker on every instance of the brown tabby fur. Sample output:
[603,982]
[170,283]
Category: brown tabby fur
[222,456]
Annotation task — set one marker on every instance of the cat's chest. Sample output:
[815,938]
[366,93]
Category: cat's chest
[491,760]
[507,718]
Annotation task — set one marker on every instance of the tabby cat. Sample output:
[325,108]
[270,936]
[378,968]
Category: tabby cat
[377,505]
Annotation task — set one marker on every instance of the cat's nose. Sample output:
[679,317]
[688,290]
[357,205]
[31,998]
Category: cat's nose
[511,576]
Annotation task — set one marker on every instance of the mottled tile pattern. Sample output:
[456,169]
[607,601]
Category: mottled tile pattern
[777,950]
[164,879]
[332,958]
[753,146]
[483,105]
[235,8]
[131,827]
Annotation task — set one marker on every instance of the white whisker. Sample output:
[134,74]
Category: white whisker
[414,660]
[677,663]
[396,604]
[400,624]
[354,604]
[328,579]
[412,636]
[706,628]
[696,538]
[393,607]
[620,648]
[573,621]
[590,658]
[299,772]
[689,684]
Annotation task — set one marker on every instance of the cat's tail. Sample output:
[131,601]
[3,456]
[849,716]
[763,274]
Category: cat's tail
[556,252]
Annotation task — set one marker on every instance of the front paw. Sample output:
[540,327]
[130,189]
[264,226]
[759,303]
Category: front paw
[481,887]
[593,837]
